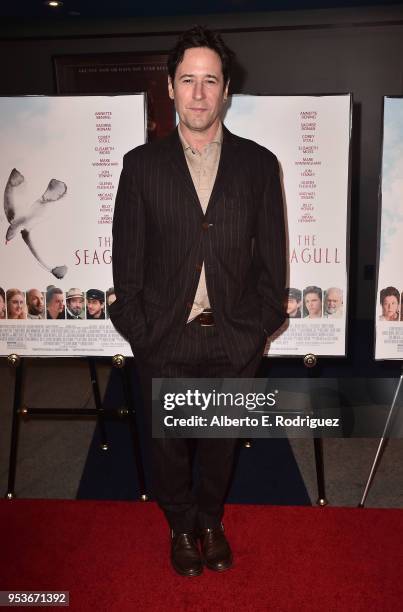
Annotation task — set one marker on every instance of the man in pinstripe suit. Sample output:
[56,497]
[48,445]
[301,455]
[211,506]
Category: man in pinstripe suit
[199,273]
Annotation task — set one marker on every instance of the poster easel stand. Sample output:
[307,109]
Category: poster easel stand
[17,362]
[382,442]
[310,361]
[14,361]
[119,362]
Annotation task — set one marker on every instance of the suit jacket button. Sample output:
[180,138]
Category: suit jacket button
[205,225]
[189,305]
[198,267]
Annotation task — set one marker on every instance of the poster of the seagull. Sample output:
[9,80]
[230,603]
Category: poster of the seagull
[59,171]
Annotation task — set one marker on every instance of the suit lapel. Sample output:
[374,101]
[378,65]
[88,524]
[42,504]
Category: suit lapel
[225,170]
[178,162]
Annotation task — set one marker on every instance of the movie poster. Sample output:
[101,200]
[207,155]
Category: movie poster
[59,171]
[388,306]
[310,135]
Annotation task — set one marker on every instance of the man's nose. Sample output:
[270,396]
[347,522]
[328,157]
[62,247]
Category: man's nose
[198,91]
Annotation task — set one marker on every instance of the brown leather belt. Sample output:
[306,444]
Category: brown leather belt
[206,318]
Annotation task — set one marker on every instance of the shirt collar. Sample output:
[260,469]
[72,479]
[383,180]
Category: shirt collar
[218,138]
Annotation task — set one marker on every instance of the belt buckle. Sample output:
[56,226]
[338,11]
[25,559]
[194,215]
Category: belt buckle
[208,317]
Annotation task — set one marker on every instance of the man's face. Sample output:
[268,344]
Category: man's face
[292,306]
[198,90]
[55,306]
[313,304]
[35,302]
[76,305]
[333,302]
[111,298]
[94,308]
[390,306]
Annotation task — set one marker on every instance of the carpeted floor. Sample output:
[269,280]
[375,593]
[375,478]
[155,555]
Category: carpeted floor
[114,556]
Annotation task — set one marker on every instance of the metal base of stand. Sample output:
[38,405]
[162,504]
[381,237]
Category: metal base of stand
[19,411]
[382,443]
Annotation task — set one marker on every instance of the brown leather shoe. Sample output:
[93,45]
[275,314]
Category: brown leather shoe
[185,555]
[216,551]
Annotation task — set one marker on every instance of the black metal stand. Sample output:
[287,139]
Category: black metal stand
[19,410]
[131,412]
[15,362]
[382,443]
[320,472]
[310,361]
[98,402]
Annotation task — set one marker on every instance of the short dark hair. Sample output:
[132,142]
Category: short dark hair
[313,289]
[198,36]
[387,292]
[293,294]
[51,291]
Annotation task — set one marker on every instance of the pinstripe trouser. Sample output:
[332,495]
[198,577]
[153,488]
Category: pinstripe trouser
[198,354]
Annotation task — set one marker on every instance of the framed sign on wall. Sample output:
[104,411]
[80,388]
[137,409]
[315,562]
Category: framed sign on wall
[121,73]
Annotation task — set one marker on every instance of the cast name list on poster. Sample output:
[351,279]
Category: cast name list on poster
[104,148]
[105,190]
[307,251]
[308,123]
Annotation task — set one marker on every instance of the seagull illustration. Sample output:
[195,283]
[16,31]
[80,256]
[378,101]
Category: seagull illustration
[24,221]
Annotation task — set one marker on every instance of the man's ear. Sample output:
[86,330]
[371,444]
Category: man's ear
[170,88]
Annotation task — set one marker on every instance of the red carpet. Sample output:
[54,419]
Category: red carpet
[114,556]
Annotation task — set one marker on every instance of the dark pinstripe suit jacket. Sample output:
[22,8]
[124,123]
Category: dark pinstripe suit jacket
[161,238]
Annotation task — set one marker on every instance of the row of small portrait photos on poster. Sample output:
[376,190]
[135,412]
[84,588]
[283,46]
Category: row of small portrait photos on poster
[56,304]
[390,300]
[314,303]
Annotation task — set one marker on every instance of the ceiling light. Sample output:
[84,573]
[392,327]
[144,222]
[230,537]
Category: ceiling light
[54,3]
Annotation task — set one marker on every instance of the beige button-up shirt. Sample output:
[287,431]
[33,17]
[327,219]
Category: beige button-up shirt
[203,168]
